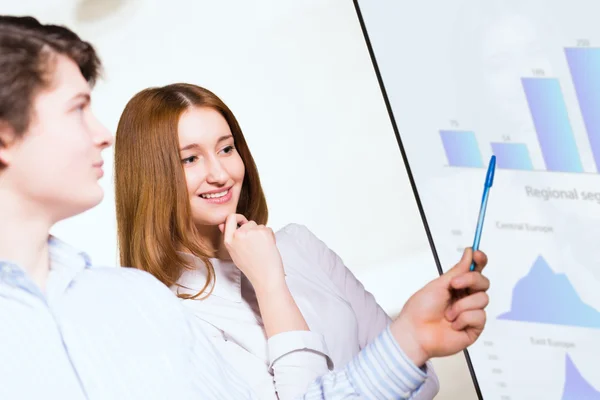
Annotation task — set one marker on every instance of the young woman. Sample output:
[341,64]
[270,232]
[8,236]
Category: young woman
[184,179]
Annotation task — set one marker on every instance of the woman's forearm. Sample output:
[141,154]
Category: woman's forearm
[278,309]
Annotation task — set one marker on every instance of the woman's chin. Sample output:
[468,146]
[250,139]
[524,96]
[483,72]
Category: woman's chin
[214,216]
[213,222]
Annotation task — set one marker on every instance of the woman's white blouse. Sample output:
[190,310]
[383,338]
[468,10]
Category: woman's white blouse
[343,318]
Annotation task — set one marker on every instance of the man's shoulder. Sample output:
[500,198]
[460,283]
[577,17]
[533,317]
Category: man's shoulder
[110,287]
[130,288]
[131,279]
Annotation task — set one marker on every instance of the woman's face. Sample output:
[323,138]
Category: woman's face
[214,170]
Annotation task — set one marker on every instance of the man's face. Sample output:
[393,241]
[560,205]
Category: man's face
[56,165]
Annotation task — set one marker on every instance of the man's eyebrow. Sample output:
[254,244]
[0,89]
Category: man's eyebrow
[82,96]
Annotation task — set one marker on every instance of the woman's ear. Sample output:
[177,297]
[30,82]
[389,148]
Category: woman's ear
[7,141]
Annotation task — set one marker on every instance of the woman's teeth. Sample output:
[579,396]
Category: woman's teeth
[214,195]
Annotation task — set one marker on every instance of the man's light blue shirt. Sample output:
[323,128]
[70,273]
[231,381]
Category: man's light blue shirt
[118,333]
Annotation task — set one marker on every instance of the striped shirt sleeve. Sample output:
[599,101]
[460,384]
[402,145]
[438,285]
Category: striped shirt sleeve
[380,371]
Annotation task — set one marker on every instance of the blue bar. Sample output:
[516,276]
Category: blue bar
[551,120]
[584,64]
[512,156]
[461,149]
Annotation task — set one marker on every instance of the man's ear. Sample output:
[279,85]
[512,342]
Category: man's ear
[7,142]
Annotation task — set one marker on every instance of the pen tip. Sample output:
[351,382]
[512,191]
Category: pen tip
[489,180]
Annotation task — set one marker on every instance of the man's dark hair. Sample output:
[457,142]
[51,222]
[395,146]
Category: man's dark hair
[27,52]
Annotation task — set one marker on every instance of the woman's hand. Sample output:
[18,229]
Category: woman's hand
[447,315]
[253,249]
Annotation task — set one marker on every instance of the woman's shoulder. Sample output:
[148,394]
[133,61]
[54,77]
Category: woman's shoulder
[298,241]
[298,234]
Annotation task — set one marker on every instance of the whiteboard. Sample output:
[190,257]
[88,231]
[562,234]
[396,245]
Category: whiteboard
[466,79]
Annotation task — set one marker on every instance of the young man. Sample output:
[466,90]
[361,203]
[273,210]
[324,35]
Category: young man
[74,331]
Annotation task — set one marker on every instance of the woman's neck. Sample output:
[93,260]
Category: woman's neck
[213,236]
[24,236]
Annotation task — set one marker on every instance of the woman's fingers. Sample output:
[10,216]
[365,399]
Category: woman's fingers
[472,281]
[231,225]
[473,319]
[476,301]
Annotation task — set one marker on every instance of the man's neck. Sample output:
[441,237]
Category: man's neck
[24,237]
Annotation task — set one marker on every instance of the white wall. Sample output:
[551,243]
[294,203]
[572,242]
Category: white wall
[298,76]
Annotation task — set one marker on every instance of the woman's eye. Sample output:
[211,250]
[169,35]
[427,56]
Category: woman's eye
[189,160]
[228,149]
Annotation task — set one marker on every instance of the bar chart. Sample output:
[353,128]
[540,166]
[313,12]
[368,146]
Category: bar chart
[584,64]
[461,148]
[512,156]
[551,120]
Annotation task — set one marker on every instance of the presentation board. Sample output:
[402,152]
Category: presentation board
[466,79]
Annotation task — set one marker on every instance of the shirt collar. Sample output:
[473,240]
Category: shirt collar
[227,284]
[64,260]
[63,255]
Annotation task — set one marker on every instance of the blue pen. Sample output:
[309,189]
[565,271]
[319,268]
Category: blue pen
[489,180]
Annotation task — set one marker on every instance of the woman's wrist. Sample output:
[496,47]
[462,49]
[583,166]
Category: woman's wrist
[271,287]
